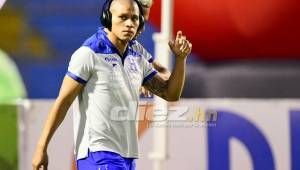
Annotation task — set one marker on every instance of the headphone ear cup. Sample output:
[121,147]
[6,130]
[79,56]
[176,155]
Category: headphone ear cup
[142,22]
[141,17]
[106,19]
[103,18]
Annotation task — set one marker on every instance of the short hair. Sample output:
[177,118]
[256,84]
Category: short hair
[146,3]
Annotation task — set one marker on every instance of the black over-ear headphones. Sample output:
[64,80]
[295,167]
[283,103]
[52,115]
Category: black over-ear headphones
[105,16]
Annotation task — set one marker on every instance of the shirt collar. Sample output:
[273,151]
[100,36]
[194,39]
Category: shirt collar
[102,35]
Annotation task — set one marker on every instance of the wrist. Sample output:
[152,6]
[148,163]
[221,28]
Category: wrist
[180,59]
[41,147]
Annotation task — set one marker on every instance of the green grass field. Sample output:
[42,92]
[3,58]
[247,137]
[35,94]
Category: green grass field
[8,138]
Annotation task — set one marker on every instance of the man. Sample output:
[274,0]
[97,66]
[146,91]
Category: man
[146,5]
[103,75]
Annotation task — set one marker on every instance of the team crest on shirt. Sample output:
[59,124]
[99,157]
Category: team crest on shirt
[132,65]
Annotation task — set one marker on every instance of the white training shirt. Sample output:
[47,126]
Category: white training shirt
[139,47]
[105,111]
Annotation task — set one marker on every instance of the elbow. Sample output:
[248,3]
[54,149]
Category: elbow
[172,98]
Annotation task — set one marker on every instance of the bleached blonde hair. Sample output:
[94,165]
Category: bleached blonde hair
[146,3]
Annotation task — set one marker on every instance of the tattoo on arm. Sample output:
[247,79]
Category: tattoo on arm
[157,86]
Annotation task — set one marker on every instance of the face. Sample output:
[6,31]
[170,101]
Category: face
[125,19]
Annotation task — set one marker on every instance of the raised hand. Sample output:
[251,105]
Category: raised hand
[181,47]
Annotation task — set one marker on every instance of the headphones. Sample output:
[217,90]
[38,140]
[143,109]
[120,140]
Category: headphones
[106,16]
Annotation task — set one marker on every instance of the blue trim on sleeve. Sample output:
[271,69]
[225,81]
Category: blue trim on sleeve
[149,76]
[151,60]
[76,78]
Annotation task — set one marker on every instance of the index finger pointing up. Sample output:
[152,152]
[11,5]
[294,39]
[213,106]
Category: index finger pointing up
[178,37]
[179,34]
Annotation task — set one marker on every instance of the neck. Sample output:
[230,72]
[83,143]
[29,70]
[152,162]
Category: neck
[119,44]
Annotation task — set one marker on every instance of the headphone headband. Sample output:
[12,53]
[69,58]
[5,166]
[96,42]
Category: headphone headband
[106,16]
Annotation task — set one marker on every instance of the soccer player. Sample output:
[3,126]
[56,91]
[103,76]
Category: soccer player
[162,70]
[105,75]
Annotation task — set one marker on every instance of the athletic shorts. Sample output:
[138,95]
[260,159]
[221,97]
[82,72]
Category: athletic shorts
[104,160]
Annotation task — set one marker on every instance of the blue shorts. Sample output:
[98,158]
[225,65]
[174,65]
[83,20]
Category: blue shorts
[104,160]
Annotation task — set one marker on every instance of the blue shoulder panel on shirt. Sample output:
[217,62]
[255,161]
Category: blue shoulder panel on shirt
[133,42]
[100,43]
[132,52]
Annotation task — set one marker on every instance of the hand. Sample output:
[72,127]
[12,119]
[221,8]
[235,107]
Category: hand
[145,92]
[181,47]
[40,159]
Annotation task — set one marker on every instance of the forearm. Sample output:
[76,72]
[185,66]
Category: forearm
[55,117]
[176,80]
[68,92]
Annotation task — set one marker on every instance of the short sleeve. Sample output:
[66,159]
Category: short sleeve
[139,48]
[148,71]
[81,65]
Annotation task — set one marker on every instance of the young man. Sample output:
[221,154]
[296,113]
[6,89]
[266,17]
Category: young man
[104,75]
[162,70]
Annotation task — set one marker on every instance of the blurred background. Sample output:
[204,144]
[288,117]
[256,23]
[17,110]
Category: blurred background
[241,49]
[250,46]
